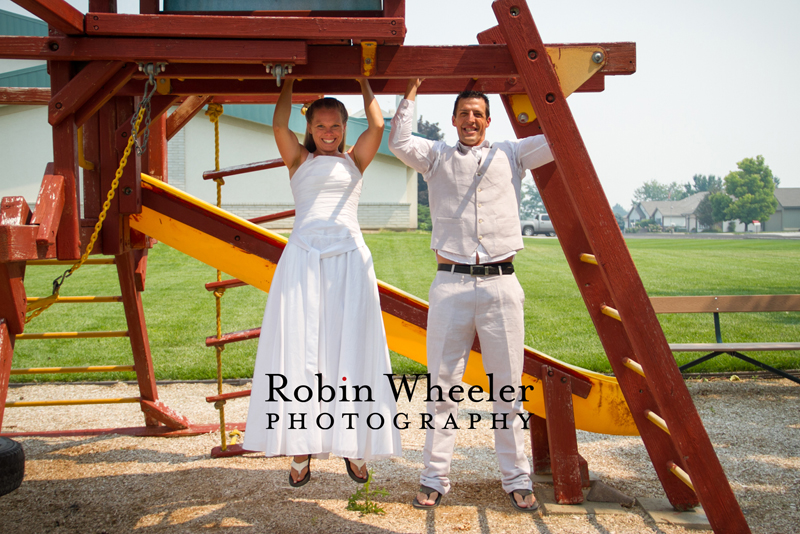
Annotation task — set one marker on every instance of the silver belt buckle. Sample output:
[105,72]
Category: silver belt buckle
[477,270]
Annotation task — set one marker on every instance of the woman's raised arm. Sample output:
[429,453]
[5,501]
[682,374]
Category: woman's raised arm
[370,141]
[292,152]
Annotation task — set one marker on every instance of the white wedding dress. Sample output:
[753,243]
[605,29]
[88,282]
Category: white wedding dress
[323,316]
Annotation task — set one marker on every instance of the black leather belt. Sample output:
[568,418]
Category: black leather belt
[478,270]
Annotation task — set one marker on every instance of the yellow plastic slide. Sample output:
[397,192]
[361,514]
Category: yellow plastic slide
[246,251]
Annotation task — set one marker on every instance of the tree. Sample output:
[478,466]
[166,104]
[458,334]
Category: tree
[753,190]
[432,132]
[531,201]
[653,190]
[709,183]
[619,214]
[711,209]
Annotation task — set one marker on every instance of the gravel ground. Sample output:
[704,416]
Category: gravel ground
[113,483]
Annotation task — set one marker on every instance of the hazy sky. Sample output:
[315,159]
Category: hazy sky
[717,81]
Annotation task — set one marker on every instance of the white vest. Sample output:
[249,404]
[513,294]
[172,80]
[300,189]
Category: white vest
[472,206]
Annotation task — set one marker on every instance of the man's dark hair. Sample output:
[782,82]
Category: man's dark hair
[471,94]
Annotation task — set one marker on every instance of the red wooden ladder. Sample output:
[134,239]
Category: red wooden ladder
[615,297]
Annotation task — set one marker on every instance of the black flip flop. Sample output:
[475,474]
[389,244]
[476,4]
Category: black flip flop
[303,481]
[353,474]
[427,491]
[523,494]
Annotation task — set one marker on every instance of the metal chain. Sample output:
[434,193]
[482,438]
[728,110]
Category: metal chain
[136,121]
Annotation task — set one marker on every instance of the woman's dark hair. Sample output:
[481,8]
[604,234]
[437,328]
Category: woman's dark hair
[324,103]
[471,94]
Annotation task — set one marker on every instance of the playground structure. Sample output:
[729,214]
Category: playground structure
[101,61]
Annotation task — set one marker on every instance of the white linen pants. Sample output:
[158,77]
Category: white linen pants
[460,306]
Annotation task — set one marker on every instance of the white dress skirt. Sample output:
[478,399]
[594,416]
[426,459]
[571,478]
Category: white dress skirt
[322,376]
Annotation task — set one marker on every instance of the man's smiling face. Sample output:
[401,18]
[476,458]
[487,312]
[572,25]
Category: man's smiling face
[471,121]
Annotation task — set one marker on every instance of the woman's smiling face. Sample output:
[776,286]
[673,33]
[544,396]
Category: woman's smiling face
[327,129]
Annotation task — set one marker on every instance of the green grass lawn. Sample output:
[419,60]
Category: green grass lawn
[180,312]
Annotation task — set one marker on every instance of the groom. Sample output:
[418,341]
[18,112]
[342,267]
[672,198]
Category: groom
[474,192]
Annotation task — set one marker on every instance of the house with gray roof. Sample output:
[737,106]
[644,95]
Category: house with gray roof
[679,214]
[787,217]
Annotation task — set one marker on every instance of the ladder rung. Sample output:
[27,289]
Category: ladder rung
[589,258]
[657,420]
[96,261]
[76,300]
[682,475]
[226,396]
[611,312]
[233,337]
[233,282]
[74,335]
[90,369]
[74,402]
[635,366]
[272,217]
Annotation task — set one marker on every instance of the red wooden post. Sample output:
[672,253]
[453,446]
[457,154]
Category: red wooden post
[111,232]
[80,88]
[540,445]
[157,163]
[49,206]
[137,329]
[564,455]
[65,160]
[13,300]
[6,355]
[92,203]
[17,235]
[130,185]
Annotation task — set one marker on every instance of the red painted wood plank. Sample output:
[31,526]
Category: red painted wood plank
[227,396]
[17,238]
[56,13]
[157,154]
[564,457]
[148,431]
[272,217]
[640,322]
[140,267]
[394,8]
[233,337]
[149,6]
[28,96]
[165,415]
[233,282]
[80,88]
[181,116]
[6,355]
[112,231]
[137,331]
[13,299]
[242,169]
[244,27]
[150,50]
[592,286]
[91,177]
[49,206]
[130,189]
[540,445]
[103,94]
[65,163]
[103,6]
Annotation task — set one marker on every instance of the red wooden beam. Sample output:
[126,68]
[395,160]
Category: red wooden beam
[6,355]
[65,163]
[17,236]
[49,206]
[563,443]
[152,50]
[107,91]
[12,297]
[24,96]
[56,13]
[389,30]
[231,395]
[81,88]
[181,116]
[242,169]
